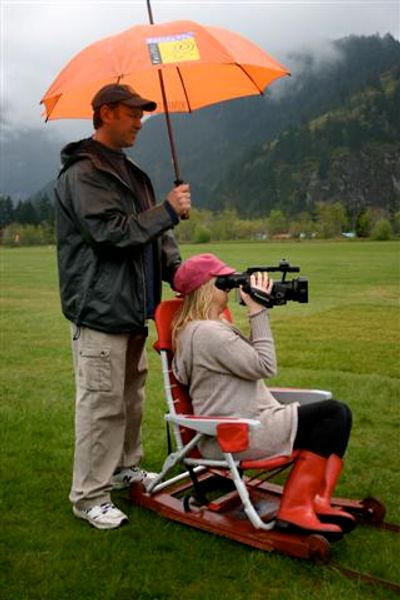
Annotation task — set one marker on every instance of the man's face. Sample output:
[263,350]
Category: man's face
[122,124]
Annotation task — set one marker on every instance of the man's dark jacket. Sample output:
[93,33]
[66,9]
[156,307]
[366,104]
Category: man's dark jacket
[101,235]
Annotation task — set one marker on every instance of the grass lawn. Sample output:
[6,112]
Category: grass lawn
[344,340]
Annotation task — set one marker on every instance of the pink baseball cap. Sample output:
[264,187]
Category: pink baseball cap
[197,270]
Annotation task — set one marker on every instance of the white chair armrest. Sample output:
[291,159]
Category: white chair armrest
[208,425]
[304,396]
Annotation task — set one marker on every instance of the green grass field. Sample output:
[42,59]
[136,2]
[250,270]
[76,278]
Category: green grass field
[344,340]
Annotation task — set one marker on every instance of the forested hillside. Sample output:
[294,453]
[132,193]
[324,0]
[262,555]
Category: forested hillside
[349,154]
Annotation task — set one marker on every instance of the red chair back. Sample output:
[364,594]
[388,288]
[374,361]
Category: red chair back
[164,315]
[163,318]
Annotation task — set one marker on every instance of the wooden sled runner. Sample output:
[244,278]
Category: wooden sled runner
[228,497]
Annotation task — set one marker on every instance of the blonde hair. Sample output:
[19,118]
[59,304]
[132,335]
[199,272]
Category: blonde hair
[196,306]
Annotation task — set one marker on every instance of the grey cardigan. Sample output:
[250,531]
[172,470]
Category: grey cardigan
[224,371]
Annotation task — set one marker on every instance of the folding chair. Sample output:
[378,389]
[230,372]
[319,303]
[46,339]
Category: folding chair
[244,506]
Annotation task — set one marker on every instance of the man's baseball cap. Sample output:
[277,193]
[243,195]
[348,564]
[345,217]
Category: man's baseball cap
[197,270]
[117,92]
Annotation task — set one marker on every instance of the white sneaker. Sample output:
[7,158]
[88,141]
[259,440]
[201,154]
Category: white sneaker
[103,516]
[127,475]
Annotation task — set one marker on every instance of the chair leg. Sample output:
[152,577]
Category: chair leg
[249,509]
[199,494]
[172,460]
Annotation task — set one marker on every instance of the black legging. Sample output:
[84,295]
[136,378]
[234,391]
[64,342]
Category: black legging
[323,427]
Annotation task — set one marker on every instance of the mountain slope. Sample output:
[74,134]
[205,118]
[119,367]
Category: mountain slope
[350,154]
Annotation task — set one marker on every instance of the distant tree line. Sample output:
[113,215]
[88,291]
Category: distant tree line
[329,220]
[32,223]
[27,222]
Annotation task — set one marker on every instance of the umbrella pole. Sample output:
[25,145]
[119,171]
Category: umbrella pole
[178,179]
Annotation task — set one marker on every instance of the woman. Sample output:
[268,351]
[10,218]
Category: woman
[225,370]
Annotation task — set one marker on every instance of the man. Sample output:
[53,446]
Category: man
[115,245]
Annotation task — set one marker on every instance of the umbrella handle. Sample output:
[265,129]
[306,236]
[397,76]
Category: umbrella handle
[186,215]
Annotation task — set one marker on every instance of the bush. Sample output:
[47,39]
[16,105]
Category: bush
[202,235]
[224,225]
[277,223]
[16,234]
[364,223]
[396,221]
[382,230]
[302,227]
[368,218]
[331,219]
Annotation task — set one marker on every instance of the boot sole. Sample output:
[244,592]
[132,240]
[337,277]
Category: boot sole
[285,526]
[345,524]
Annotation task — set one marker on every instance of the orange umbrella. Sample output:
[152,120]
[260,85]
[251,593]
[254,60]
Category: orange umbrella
[196,65]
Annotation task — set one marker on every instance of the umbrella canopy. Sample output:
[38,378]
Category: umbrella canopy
[200,66]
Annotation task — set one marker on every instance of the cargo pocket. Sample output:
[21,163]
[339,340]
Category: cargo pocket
[94,369]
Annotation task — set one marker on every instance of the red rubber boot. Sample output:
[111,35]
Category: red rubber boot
[296,512]
[322,501]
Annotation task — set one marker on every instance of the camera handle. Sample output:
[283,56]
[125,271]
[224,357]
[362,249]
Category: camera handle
[258,296]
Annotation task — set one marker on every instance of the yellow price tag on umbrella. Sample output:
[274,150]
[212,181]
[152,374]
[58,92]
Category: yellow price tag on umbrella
[172,49]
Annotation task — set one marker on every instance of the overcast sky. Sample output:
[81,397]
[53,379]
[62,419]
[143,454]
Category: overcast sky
[38,38]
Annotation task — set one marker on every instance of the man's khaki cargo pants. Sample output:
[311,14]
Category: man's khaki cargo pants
[110,374]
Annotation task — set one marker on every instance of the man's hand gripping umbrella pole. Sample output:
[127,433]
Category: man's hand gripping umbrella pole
[180,199]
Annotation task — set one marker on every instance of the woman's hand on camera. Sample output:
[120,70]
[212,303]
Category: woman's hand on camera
[259,281]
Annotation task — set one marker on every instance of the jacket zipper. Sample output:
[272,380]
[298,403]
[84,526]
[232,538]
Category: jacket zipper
[147,192]
[116,176]
[150,206]
[144,292]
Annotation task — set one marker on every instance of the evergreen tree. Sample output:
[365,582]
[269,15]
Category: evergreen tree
[45,210]
[6,211]
[26,214]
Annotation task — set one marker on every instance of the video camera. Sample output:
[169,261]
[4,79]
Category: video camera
[282,291]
